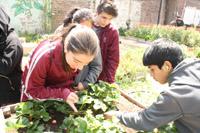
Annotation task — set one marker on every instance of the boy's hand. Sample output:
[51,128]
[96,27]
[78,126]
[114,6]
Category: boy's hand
[111,114]
[79,87]
[71,100]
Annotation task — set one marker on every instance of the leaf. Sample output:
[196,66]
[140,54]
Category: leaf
[90,119]
[81,124]
[38,5]
[23,121]
[40,128]
[99,105]
[19,10]
[12,125]
[86,99]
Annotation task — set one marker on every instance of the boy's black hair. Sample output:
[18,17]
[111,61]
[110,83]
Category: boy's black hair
[163,50]
[108,8]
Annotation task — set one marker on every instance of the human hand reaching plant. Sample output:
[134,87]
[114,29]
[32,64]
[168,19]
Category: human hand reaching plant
[111,114]
[79,87]
[71,100]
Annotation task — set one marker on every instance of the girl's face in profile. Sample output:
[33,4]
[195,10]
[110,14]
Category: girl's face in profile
[76,60]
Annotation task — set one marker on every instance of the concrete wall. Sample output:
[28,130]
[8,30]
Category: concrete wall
[193,3]
[24,22]
[128,10]
[192,12]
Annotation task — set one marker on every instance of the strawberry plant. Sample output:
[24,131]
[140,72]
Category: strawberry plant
[53,115]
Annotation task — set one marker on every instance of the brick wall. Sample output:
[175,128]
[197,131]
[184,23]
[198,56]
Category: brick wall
[149,11]
[153,11]
[61,7]
[170,11]
[138,11]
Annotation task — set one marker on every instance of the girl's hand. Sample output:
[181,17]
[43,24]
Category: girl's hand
[71,100]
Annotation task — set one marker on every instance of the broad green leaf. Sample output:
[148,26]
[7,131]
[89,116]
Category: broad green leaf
[38,5]
[99,105]
[19,10]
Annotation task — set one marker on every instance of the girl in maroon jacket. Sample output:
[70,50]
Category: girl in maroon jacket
[53,65]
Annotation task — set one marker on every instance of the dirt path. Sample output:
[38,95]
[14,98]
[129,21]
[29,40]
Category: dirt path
[133,42]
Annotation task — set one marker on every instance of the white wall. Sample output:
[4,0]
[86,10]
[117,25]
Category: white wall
[24,22]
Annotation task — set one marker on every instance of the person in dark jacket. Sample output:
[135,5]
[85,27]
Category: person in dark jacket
[11,53]
[91,72]
[109,40]
[177,22]
[180,101]
[54,64]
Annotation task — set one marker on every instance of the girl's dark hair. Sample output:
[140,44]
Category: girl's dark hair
[80,40]
[68,19]
[109,1]
[76,15]
[82,14]
[163,50]
[108,8]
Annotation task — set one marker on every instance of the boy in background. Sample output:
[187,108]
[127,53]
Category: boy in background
[109,40]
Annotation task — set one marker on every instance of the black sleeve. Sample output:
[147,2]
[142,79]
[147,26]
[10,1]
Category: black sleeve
[12,54]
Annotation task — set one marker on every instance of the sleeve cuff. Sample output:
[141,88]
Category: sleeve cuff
[66,93]
[85,85]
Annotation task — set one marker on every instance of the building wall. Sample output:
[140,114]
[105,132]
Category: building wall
[133,11]
[129,11]
[180,5]
[24,22]
[193,3]
[170,11]
[61,7]
[139,12]
[149,11]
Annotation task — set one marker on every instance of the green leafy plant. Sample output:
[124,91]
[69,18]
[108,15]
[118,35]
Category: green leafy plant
[52,115]
[129,71]
[31,37]
[190,37]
